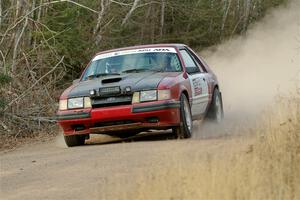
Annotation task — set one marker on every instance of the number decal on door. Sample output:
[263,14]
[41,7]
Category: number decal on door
[197,86]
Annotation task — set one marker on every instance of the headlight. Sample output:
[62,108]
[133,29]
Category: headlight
[150,95]
[75,103]
[63,104]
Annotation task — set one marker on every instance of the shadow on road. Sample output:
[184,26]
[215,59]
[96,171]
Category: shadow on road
[142,137]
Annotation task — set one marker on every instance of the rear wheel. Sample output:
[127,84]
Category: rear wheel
[186,125]
[215,112]
[74,140]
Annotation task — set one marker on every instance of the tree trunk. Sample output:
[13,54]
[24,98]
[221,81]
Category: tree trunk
[32,29]
[19,32]
[0,13]
[162,17]
[128,15]
[247,5]
[212,5]
[97,32]
[226,11]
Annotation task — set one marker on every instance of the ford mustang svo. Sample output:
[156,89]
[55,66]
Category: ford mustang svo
[126,91]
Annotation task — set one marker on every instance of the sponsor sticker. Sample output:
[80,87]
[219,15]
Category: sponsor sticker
[136,51]
[197,86]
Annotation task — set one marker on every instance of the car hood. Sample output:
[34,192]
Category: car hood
[137,82]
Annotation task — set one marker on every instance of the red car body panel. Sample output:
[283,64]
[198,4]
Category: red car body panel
[167,118]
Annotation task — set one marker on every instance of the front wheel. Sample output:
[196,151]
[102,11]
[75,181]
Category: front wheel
[186,125]
[74,140]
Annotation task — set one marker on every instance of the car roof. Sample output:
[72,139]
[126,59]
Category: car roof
[174,45]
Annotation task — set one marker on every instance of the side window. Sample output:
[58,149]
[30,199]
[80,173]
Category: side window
[191,66]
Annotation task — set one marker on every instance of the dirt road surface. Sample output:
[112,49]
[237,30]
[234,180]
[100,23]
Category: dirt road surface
[53,171]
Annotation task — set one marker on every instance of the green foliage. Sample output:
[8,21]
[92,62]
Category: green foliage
[2,106]
[4,79]
[74,41]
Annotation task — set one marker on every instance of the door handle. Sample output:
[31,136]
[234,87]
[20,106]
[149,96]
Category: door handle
[204,79]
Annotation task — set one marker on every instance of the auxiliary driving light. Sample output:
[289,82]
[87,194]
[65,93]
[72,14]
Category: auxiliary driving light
[128,89]
[92,92]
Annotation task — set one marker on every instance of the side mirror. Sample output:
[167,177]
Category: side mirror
[76,81]
[192,70]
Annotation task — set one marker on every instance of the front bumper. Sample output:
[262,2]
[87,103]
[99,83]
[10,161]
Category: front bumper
[151,115]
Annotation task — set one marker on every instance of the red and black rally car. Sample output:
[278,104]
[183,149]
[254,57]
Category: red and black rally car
[129,90]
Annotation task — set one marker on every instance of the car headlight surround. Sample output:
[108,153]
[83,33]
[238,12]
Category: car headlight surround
[164,94]
[63,104]
[151,95]
[87,102]
[136,97]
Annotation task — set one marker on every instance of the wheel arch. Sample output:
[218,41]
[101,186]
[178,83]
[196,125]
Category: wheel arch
[216,86]
[186,94]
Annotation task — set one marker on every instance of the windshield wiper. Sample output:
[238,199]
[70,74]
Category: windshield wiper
[141,70]
[102,74]
[135,70]
[157,70]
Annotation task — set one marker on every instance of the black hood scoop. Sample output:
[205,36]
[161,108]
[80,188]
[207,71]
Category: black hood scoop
[111,80]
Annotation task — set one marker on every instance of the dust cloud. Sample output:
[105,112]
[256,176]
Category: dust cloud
[253,69]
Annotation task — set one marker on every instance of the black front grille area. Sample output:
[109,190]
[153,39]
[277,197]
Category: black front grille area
[103,124]
[111,101]
[106,91]
[78,127]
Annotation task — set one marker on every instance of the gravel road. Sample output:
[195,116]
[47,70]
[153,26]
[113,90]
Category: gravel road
[53,171]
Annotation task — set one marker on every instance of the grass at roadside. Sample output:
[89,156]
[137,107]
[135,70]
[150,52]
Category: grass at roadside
[10,142]
[269,168]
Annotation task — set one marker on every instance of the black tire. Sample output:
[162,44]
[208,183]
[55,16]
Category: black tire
[186,127]
[74,140]
[215,112]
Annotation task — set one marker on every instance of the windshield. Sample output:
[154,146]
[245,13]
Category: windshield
[133,61]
